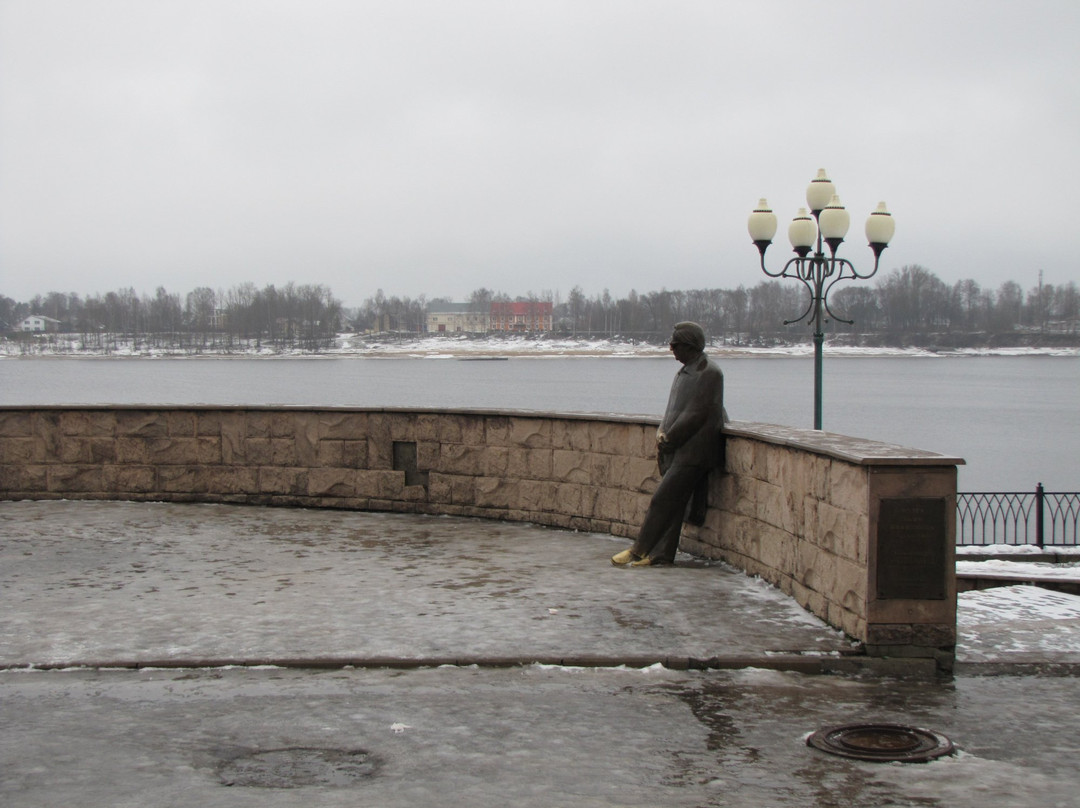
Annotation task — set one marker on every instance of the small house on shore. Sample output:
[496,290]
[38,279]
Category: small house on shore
[39,322]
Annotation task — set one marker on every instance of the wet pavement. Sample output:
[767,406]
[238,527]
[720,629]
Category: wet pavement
[301,658]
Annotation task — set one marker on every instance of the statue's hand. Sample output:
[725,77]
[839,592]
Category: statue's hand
[661,440]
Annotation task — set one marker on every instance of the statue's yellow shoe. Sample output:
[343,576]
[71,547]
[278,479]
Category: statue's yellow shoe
[623,558]
[642,562]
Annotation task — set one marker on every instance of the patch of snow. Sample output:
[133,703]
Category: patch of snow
[1070,571]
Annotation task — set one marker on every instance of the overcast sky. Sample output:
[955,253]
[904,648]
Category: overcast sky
[437,146]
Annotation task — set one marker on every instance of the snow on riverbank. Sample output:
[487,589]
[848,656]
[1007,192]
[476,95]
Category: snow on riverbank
[459,346]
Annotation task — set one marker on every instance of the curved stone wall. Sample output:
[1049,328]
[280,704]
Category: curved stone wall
[860,533]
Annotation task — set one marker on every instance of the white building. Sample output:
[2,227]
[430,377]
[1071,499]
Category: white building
[38,322]
[449,318]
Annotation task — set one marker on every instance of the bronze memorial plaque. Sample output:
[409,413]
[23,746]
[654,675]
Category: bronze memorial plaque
[911,549]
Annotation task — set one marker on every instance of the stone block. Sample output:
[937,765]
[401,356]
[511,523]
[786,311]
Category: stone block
[495,462]
[940,635]
[842,532]
[796,472]
[283,453]
[427,455]
[615,438]
[181,423]
[572,466]
[890,634]
[283,423]
[739,456]
[231,429]
[606,505]
[183,480]
[534,433]
[348,426]
[134,479]
[22,451]
[256,452]
[354,454]
[497,430]
[173,451]
[633,506]
[852,624]
[75,479]
[306,438]
[283,481]
[772,505]
[773,460]
[778,550]
[102,450]
[469,429]
[635,474]
[538,496]
[46,427]
[463,490]
[16,424]
[530,464]
[572,499]
[848,487]
[208,450]
[439,488]
[257,424]
[494,492]
[428,425]
[380,450]
[331,482]
[208,422]
[571,435]
[588,468]
[758,461]
[819,477]
[226,480]
[142,423]
[132,450]
[457,458]
[73,450]
[412,494]
[88,423]
[379,483]
[22,478]
[331,453]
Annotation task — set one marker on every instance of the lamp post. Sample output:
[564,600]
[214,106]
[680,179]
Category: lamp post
[826,222]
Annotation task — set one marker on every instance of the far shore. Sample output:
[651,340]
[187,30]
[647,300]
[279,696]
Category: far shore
[353,346]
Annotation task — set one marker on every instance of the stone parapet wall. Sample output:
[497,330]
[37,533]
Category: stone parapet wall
[802,509]
[570,472]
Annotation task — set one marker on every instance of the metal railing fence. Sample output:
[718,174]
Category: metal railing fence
[1041,518]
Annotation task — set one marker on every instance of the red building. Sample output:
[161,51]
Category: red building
[521,315]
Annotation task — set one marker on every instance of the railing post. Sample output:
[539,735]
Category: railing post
[1040,497]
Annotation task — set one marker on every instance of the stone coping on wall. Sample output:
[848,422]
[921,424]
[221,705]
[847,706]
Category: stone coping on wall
[860,451]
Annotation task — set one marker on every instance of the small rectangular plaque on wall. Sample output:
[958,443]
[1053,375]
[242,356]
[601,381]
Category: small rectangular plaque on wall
[911,549]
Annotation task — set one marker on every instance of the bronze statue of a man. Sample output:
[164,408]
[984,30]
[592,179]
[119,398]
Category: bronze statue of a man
[688,446]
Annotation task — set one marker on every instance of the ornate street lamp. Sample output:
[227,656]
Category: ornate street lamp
[826,222]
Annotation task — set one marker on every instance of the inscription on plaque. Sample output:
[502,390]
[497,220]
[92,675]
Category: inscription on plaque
[911,549]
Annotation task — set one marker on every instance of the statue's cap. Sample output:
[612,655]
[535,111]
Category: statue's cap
[690,334]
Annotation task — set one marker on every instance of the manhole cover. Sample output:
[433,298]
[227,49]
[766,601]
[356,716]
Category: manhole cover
[296,767]
[886,742]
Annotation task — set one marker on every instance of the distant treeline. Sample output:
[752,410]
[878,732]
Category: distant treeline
[304,316]
[906,302]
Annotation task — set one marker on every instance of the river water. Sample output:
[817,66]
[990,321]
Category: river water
[1015,420]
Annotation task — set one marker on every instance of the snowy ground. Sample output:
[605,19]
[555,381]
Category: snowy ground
[1022,561]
